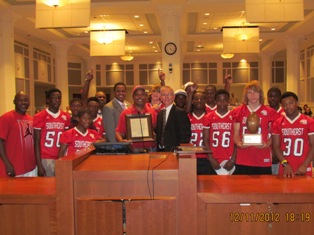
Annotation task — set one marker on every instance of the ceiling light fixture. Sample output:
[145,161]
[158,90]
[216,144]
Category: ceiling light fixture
[227,55]
[127,57]
[55,3]
[105,38]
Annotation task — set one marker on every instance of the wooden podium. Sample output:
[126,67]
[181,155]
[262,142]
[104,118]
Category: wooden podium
[134,193]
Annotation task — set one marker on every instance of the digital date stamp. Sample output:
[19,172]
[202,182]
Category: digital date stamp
[269,217]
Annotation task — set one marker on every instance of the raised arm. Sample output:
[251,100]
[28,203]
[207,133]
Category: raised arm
[85,90]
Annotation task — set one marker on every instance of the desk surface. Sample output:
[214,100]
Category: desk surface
[255,188]
[27,189]
[156,161]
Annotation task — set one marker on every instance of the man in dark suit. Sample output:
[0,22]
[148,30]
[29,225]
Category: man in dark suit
[113,109]
[177,128]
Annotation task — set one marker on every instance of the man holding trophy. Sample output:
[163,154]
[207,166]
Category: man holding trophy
[252,133]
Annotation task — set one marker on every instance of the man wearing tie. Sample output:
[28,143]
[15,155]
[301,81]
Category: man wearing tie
[173,125]
[113,109]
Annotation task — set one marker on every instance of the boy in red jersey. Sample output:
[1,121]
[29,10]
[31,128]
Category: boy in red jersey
[273,98]
[218,134]
[293,139]
[49,124]
[253,160]
[17,157]
[197,118]
[79,137]
[93,106]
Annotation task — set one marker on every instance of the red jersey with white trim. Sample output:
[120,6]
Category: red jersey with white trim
[197,132]
[77,141]
[209,109]
[17,132]
[52,125]
[294,140]
[251,155]
[97,124]
[196,129]
[220,134]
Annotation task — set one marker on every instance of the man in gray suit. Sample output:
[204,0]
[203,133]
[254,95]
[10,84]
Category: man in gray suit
[113,109]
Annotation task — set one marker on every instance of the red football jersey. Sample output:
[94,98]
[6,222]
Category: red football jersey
[253,156]
[196,129]
[220,134]
[52,125]
[294,141]
[209,109]
[97,122]
[76,140]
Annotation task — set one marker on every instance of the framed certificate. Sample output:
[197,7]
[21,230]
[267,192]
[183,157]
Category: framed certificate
[139,127]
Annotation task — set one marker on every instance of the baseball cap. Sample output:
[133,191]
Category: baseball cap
[180,92]
[138,87]
[187,84]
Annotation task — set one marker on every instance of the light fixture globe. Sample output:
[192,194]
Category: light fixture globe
[55,3]
[227,55]
[127,57]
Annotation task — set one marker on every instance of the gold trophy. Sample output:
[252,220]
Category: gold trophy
[252,124]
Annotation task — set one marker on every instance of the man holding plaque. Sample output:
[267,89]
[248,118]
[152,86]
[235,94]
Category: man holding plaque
[138,108]
[252,132]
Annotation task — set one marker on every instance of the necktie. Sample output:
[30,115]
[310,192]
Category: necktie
[164,120]
[123,105]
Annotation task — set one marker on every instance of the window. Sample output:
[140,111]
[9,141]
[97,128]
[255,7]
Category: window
[120,73]
[42,66]
[241,72]
[278,72]
[149,73]
[201,73]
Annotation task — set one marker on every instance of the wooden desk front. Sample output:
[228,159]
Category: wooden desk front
[92,188]
[28,206]
[255,205]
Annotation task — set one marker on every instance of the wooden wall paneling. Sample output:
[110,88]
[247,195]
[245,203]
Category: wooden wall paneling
[99,217]
[153,217]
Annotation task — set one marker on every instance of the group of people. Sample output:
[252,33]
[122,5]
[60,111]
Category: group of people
[29,146]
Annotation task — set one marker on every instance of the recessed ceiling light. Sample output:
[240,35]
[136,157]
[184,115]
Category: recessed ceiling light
[215,28]
[204,23]
[151,42]
[273,29]
[141,25]
[145,32]
[260,39]
[155,50]
[136,16]
[207,14]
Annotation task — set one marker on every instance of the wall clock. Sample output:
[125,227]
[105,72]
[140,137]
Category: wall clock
[170,48]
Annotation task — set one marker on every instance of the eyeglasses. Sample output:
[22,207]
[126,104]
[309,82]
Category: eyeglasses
[169,94]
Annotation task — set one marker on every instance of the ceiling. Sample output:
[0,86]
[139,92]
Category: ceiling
[200,29]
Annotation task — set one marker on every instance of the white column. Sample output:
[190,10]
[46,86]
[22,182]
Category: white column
[7,62]
[293,65]
[61,51]
[170,21]
[266,65]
